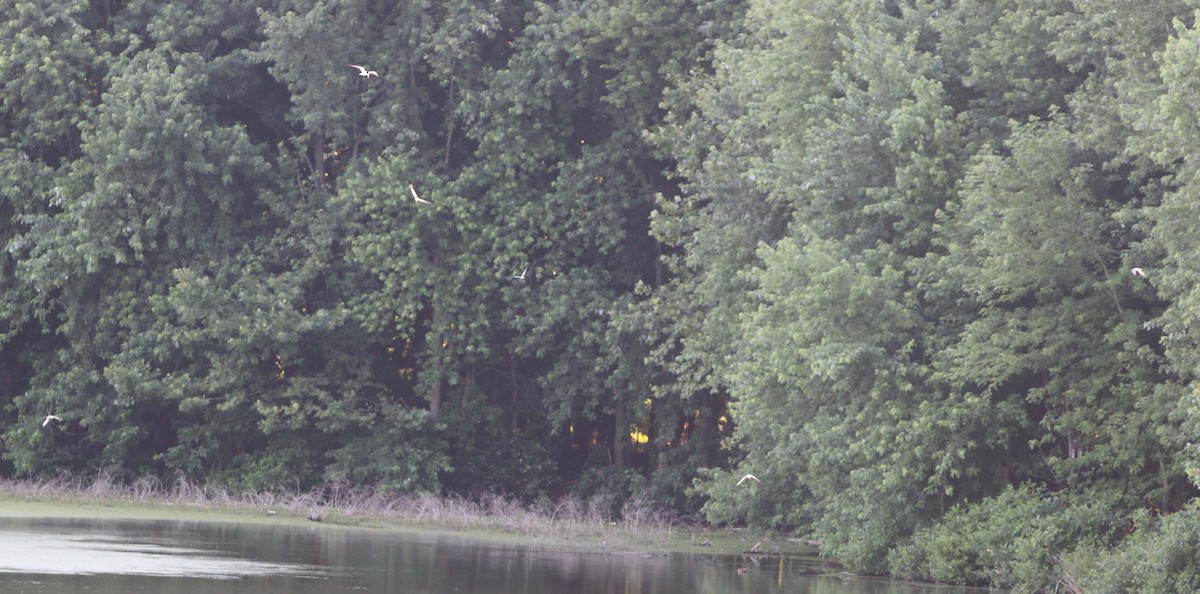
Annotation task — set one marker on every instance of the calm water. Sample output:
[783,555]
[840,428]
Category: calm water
[121,556]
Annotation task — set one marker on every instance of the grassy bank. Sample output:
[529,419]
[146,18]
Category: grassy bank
[566,523]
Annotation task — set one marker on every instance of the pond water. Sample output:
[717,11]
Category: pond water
[122,556]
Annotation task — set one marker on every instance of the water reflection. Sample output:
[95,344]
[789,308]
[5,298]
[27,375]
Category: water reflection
[28,552]
[107,557]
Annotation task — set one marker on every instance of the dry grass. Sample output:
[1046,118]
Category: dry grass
[563,521]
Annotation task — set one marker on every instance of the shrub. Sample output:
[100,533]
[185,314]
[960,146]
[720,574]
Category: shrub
[609,489]
[404,453]
[782,504]
[1011,540]
[1161,555]
[491,459]
[285,463]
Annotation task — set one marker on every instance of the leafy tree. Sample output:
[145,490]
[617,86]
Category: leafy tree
[51,71]
[158,183]
[1042,258]
[861,165]
[52,54]
[1172,273]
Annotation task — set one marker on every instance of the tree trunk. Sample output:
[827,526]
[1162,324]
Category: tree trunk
[316,159]
[435,399]
[620,443]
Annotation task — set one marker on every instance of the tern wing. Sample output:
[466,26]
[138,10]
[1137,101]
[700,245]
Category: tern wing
[415,196]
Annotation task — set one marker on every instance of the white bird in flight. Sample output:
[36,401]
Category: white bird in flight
[416,197]
[362,71]
[1138,272]
[749,476]
[50,418]
[522,275]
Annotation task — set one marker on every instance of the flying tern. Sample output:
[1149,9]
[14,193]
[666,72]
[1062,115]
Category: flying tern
[363,72]
[50,418]
[749,476]
[416,197]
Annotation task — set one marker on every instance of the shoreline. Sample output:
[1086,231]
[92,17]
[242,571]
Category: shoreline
[571,534]
[566,525]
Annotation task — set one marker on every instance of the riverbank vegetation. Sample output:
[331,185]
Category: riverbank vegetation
[925,268]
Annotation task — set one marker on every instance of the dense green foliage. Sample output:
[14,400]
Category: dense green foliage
[879,254]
